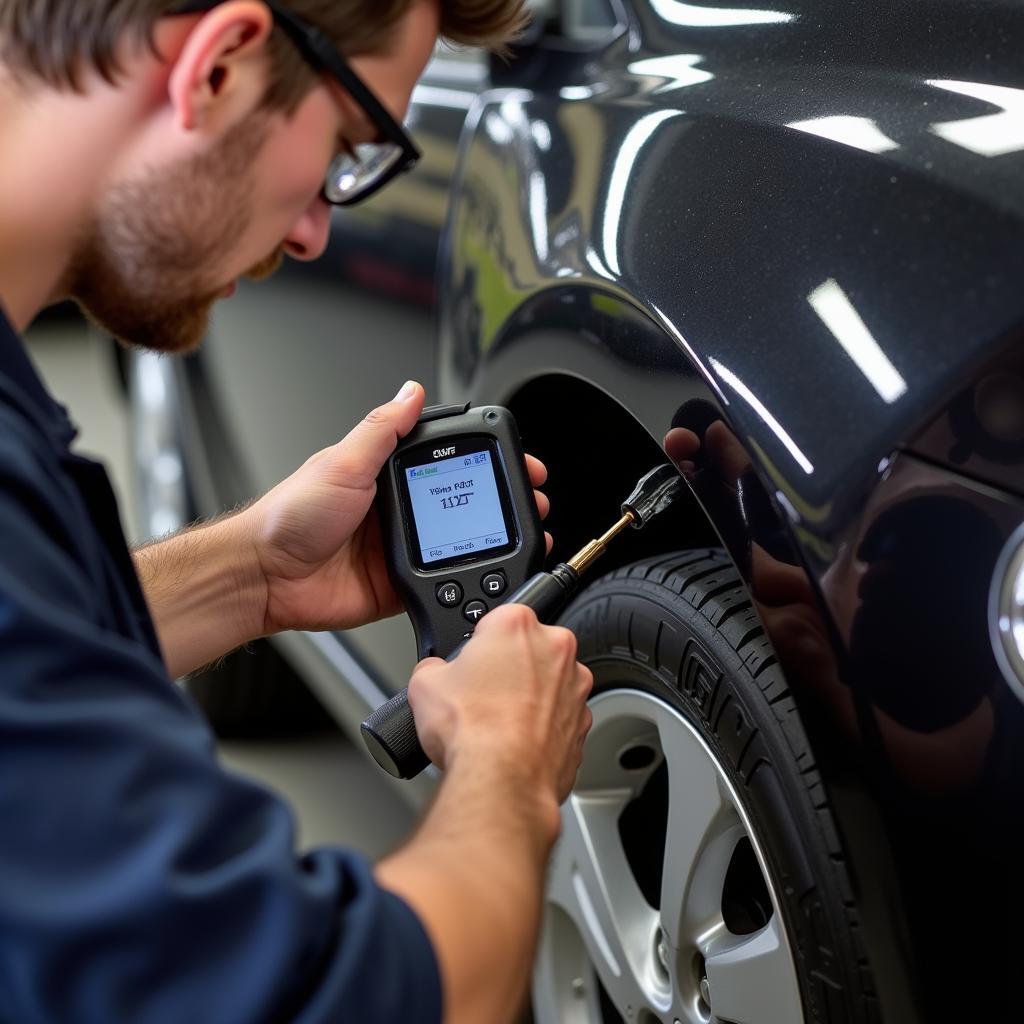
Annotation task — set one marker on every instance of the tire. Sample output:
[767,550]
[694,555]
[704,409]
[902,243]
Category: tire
[698,803]
[254,693]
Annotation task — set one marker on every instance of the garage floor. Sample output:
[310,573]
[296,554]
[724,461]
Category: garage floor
[335,792]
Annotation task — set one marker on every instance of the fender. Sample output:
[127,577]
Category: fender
[664,244]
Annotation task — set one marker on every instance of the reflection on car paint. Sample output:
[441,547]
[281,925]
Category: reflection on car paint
[840,316]
[742,391]
[694,16]
[679,70]
[986,134]
[768,197]
[859,132]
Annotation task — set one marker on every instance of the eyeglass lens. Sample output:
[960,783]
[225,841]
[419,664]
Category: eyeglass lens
[351,174]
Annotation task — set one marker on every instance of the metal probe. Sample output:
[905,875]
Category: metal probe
[654,492]
[390,731]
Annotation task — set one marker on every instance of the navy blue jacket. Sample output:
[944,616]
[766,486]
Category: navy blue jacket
[140,881]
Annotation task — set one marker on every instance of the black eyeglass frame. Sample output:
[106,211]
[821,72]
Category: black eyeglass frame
[322,54]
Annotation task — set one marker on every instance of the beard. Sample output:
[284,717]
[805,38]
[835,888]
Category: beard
[143,271]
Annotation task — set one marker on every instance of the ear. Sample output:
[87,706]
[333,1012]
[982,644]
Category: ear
[219,74]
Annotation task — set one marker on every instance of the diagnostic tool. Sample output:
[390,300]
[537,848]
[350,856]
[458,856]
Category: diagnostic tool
[390,731]
[459,520]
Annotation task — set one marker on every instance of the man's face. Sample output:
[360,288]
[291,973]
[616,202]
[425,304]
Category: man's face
[152,266]
[169,241]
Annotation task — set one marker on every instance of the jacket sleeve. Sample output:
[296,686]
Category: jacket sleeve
[140,881]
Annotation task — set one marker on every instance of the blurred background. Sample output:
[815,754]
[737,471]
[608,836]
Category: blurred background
[338,797]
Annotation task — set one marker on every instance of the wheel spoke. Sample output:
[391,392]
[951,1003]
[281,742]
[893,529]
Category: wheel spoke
[703,830]
[591,881]
[752,980]
[563,987]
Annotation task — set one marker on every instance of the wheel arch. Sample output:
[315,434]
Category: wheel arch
[595,450]
[595,384]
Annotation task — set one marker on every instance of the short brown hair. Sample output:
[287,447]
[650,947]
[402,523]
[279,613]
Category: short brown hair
[54,40]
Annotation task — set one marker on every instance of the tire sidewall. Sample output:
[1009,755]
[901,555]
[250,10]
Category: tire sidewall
[753,742]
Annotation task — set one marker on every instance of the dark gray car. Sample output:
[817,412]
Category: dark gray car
[793,238]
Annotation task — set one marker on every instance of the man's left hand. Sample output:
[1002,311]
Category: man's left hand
[317,536]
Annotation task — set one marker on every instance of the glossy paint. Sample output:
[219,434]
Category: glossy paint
[797,236]
[781,260]
[793,234]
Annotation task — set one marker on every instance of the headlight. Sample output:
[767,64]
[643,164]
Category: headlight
[1006,611]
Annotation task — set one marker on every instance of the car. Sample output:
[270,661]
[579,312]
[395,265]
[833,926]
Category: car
[784,247]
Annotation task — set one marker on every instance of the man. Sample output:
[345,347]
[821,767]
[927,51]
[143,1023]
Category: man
[148,157]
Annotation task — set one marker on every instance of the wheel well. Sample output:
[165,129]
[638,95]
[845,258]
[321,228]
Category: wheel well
[595,452]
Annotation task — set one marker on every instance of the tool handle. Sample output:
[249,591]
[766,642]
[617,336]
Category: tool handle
[390,732]
[390,735]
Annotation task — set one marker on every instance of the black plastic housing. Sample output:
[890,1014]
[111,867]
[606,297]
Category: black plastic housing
[440,629]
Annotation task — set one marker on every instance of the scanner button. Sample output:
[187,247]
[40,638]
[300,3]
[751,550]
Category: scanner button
[494,584]
[449,595]
[474,611]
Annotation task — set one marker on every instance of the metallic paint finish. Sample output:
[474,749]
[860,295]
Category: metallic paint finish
[793,234]
[783,260]
[816,218]
[980,431]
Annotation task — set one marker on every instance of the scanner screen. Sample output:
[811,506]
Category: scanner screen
[456,509]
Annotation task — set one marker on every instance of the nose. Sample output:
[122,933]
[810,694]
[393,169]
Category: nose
[308,236]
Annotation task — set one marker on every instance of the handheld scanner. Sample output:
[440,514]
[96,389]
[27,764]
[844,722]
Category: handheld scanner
[459,521]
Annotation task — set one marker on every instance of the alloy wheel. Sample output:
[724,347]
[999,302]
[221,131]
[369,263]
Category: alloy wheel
[660,908]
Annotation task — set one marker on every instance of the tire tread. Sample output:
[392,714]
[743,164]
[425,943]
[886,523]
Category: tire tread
[707,581]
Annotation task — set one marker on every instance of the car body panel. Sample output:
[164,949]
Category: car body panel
[825,248]
[798,234]
[752,243]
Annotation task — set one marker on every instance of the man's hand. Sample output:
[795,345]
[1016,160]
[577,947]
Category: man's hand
[515,696]
[317,537]
[506,719]
[307,555]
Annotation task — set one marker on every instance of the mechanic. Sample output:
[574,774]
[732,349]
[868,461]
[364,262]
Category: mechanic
[149,157]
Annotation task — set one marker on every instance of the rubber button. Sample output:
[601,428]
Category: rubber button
[474,611]
[494,584]
[449,594]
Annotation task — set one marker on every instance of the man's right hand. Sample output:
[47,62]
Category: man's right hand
[514,699]
[506,720]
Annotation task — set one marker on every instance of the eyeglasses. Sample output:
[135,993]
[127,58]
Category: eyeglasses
[356,174]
